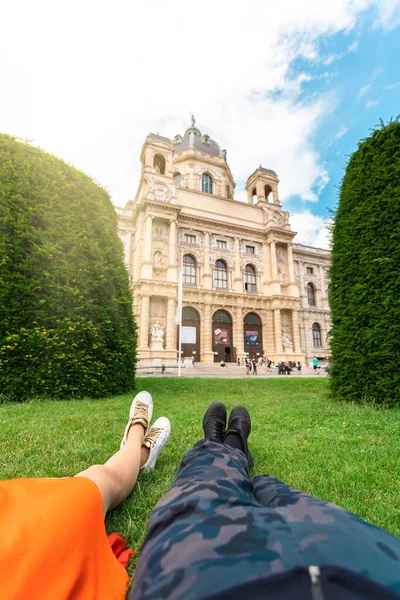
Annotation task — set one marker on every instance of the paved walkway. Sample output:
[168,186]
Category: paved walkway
[231,371]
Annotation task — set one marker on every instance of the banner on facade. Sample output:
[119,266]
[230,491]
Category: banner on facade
[188,335]
[221,336]
[252,338]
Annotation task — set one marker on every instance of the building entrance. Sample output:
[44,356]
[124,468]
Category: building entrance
[252,329]
[190,333]
[222,336]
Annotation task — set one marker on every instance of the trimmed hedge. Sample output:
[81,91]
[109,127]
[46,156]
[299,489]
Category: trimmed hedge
[365,274]
[66,324]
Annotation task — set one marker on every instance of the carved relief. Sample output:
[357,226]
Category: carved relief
[158,260]
[160,231]
[280,254]
[286,338]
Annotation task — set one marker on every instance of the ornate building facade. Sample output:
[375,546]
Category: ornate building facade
[248,289]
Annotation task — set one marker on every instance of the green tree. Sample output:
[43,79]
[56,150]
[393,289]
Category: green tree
[66,324]
[365,273]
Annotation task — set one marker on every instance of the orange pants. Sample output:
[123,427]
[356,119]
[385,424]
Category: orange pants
[54,544]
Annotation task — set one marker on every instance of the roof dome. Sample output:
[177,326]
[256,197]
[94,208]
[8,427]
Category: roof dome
[194,139]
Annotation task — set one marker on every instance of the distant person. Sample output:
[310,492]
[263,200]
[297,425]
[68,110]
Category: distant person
[193,361]
[254,366]
[288,368]
[222,363]
[54,542]
[238,362]
[220,534]
[299,367]
[248,367]
[269,365]
[315,365]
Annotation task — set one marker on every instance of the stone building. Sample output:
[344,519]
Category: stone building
[247,287]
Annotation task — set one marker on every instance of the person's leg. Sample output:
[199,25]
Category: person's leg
[311,531]
[139,448]
[199,524]
[117,477]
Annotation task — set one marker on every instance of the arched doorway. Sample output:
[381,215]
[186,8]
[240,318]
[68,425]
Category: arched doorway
[252,329]
[190,333]
[222,336]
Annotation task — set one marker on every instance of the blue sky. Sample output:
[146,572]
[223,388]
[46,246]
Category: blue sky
[365,82]
[290,85]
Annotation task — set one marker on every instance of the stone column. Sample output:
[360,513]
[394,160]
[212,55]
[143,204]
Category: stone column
[290,263]
[172,244]
[170,338]
[207,277]
[147,266]
[206,336]
[238,284]
[268,333]
[260,191]
[144,323]
[301,282]
[172,271]
[258,284]
[274,268]
[239,335]
[296,332]
[323,290]
[278,331]
[266,263]
[148,239]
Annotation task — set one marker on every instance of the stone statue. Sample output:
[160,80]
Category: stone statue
[193,120]
[286,338]
[157,332]
[281,276]
[158,259]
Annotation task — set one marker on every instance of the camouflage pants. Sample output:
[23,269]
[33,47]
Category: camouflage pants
[216,527]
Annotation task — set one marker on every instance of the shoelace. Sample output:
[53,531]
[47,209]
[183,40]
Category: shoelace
[152,437]
[141,414]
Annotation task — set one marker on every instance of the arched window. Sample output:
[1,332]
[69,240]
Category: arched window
[311,294]
[316,334]
[159,164]
[220,274]
[206,183]
[221,316]
[254,195]
[177,179]
[190,314]
[189,270]
[250,279]
[267,192]
[252,319]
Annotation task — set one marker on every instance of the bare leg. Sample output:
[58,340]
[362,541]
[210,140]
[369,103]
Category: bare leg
[117,477]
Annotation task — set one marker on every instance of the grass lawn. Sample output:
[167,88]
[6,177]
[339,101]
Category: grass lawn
[347,454]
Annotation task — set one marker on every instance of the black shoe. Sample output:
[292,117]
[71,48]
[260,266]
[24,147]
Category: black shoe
[214,421]
[240,423]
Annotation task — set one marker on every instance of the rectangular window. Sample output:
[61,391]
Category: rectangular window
[250,250]
[220,278]
[221,244]
[189,239]
[310,270]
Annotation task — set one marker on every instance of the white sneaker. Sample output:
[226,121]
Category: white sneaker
[141,412]
[155,440]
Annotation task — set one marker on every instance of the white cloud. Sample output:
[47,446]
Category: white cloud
[89,80]
[364,90]
[372,103]
[388,13]
[342,131]
[312,230]
[353,47]
[392,86]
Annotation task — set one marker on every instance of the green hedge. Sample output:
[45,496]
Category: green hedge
[66,324]
[365,273]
